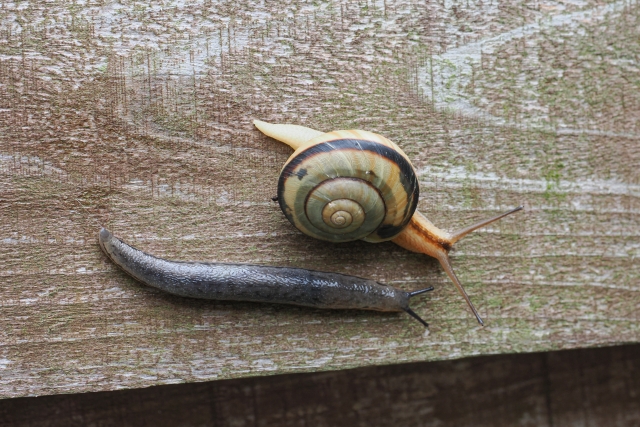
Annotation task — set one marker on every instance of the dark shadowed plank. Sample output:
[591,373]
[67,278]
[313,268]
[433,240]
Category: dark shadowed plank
[590,387]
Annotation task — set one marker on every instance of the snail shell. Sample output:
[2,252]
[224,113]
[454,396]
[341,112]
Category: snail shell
[348,185]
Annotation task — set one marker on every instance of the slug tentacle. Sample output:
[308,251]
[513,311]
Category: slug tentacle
[420,291]
[411,312]
[246,282]
[415,316]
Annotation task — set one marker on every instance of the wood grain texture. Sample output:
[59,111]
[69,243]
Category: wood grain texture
[137,116]
[584,387]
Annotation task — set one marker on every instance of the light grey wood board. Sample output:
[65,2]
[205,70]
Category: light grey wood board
[138,118]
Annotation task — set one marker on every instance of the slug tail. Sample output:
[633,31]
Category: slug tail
[454,237]
[292,135]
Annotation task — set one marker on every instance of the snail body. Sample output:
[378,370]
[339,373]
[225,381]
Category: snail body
[256,283]
[348,185]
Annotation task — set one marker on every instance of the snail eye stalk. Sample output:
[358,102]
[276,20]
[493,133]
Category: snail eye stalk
[461,233]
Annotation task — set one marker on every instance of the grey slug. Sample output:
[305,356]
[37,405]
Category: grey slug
[256,283]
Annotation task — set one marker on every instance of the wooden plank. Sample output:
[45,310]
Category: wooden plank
[591,387]
[139,118]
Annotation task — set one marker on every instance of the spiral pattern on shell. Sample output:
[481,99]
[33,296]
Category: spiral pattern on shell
[349,185]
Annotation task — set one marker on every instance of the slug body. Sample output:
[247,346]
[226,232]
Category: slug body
[352,184]
[245,282]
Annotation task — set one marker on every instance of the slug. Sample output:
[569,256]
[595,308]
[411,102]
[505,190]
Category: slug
[257,283]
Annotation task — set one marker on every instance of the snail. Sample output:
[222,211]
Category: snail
[257,283]
[348,185]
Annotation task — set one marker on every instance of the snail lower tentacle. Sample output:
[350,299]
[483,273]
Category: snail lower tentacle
[256,283]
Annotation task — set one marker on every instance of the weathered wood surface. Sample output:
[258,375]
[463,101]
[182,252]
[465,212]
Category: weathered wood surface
[138,117]
[585,387]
